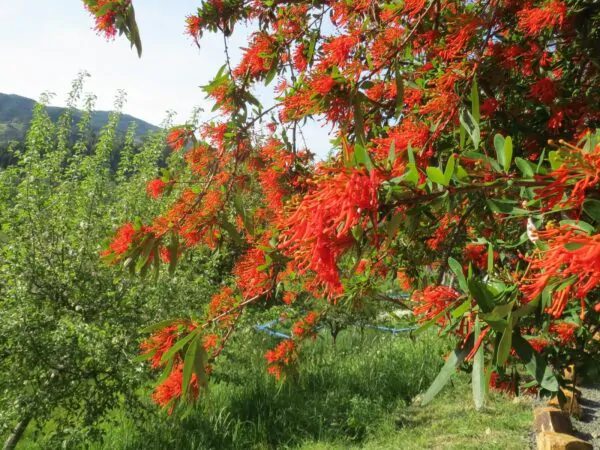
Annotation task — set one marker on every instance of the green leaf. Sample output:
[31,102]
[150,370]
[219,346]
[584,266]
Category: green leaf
[458,271]
[436,175]
[461,309]
[526,168]
[482,295]
[200,366]
[591,207]
[178,346]
[454,360]
[475,101]
[188,366]
[555,159]
[490,259]
[505,344]
[508,153]
[468,121]
[535,364]
[449,170]
[392,152]
[361,156]
[478,375]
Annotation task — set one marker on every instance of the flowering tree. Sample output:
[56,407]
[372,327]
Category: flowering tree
[449,178]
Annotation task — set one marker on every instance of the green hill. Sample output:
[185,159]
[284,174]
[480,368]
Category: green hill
[15,115]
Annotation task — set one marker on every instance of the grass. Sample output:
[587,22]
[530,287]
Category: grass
[354,395]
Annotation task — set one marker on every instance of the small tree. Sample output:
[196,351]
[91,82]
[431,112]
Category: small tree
[69,324]
[447,119]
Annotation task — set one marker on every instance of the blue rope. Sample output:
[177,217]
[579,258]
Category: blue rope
[266,328]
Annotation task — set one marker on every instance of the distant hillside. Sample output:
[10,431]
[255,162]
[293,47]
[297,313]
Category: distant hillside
[15,115]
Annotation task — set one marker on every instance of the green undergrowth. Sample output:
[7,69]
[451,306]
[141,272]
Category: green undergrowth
[356,394]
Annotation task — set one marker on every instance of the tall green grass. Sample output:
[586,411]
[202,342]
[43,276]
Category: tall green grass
[342,394]
[356,394]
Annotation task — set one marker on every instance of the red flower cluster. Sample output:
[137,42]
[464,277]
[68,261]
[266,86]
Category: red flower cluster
[317,231]
[432,301]
[166,393]
[571,255]
[258,58]
[160,342]
[305,327]
[155,188]
[106,13]
[564,332]
[536,20]
[281,357]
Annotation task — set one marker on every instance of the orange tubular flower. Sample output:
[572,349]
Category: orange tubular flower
[250,281]
[258,58]
[571,254]
[533,21]
[317,232]
[564,332]
[431,301]
[281,357]
[169,391]
[159,343]
[155,188]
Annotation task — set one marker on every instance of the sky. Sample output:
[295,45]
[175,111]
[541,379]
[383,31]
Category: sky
[45,44]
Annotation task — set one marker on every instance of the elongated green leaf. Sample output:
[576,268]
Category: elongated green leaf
[482,295]
[178,346]
[466,118]
[526,168]
[200,366]
[535,364]
[478,376]
[436,175]
[475,100]
[188,366]
[508,152]
[505,343]
[392,152]
[490,258]
[454,360]
[461,309]
[458,271]
[449,171]
[592,208]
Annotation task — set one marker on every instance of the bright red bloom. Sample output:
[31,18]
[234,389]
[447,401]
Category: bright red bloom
[337,50]
[258,58]
[193,25]
[178,138]
[432,301]
[544,90]
[502,384]
[305,326]
[111,9]
[539,344]
[533,21]
[250,281]
[571,255]
[317,232]
[281,357]
[160,342]
[564,332]
[155,188]
[123,239]
[445,226]
[166,393]
[210,341]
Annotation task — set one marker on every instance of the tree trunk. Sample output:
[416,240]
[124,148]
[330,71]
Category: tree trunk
[16,434]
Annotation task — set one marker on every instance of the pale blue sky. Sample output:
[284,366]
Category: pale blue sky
[44,44]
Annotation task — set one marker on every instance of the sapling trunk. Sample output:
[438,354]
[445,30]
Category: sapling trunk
[17,434]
